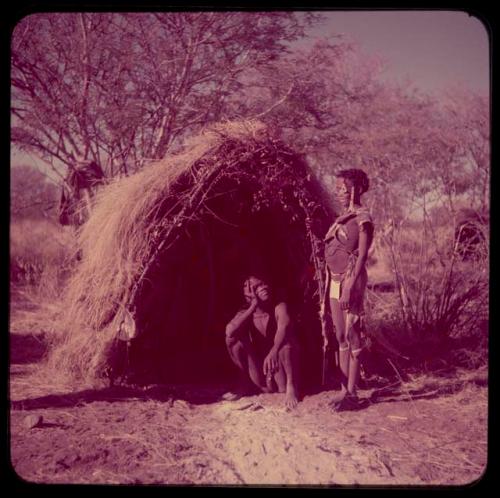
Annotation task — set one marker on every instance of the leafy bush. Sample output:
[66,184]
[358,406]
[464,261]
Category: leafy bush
[441,295]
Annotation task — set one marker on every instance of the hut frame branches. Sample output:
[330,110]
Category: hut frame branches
[145,225]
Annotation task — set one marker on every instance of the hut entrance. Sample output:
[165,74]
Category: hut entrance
[196,288]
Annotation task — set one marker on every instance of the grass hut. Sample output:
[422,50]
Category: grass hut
[166,250]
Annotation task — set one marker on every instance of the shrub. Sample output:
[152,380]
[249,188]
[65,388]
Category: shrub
[440,295]
[41,256]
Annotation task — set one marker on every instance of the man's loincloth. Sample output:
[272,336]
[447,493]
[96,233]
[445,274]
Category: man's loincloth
[353,316]
[337,285]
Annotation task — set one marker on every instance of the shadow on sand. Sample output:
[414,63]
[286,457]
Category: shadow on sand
[192,394]
[198,395]
[384,390]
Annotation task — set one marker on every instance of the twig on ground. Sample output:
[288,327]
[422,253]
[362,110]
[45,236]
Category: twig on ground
[403,385]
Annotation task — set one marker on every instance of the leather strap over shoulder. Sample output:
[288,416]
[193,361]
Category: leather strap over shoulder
[341,220]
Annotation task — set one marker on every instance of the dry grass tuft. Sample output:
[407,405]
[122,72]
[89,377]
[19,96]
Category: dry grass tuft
[42,255]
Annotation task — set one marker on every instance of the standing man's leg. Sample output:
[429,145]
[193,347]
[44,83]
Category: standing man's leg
[349,363]
[355,350]
[353,332]
[338,317]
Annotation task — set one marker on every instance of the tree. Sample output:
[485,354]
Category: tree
[468,129]
[31,194]
[338,112]
[123,89]
[120,89]
[418,150]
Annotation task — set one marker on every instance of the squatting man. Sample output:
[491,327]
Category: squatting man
[261,342]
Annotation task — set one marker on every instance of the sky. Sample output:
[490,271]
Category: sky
[435,49]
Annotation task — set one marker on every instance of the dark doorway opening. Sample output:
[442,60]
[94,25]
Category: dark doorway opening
[194,290]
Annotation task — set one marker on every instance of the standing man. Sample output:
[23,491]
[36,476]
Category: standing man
[346,250]
[262,343]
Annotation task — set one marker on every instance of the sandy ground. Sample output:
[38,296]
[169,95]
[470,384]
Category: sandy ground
[430,430]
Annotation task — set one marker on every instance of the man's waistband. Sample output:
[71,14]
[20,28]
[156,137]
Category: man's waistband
[336,276]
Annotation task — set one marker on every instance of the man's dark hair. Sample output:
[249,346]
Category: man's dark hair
[260,275]
[358,178]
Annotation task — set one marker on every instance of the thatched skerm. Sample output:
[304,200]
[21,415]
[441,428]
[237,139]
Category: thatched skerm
[172,245]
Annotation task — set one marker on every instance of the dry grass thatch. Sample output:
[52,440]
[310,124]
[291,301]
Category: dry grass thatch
[138,217]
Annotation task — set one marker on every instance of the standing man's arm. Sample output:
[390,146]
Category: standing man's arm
[365,240]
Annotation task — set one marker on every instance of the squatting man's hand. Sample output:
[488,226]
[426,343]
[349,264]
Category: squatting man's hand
[270,364]
[254,299]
